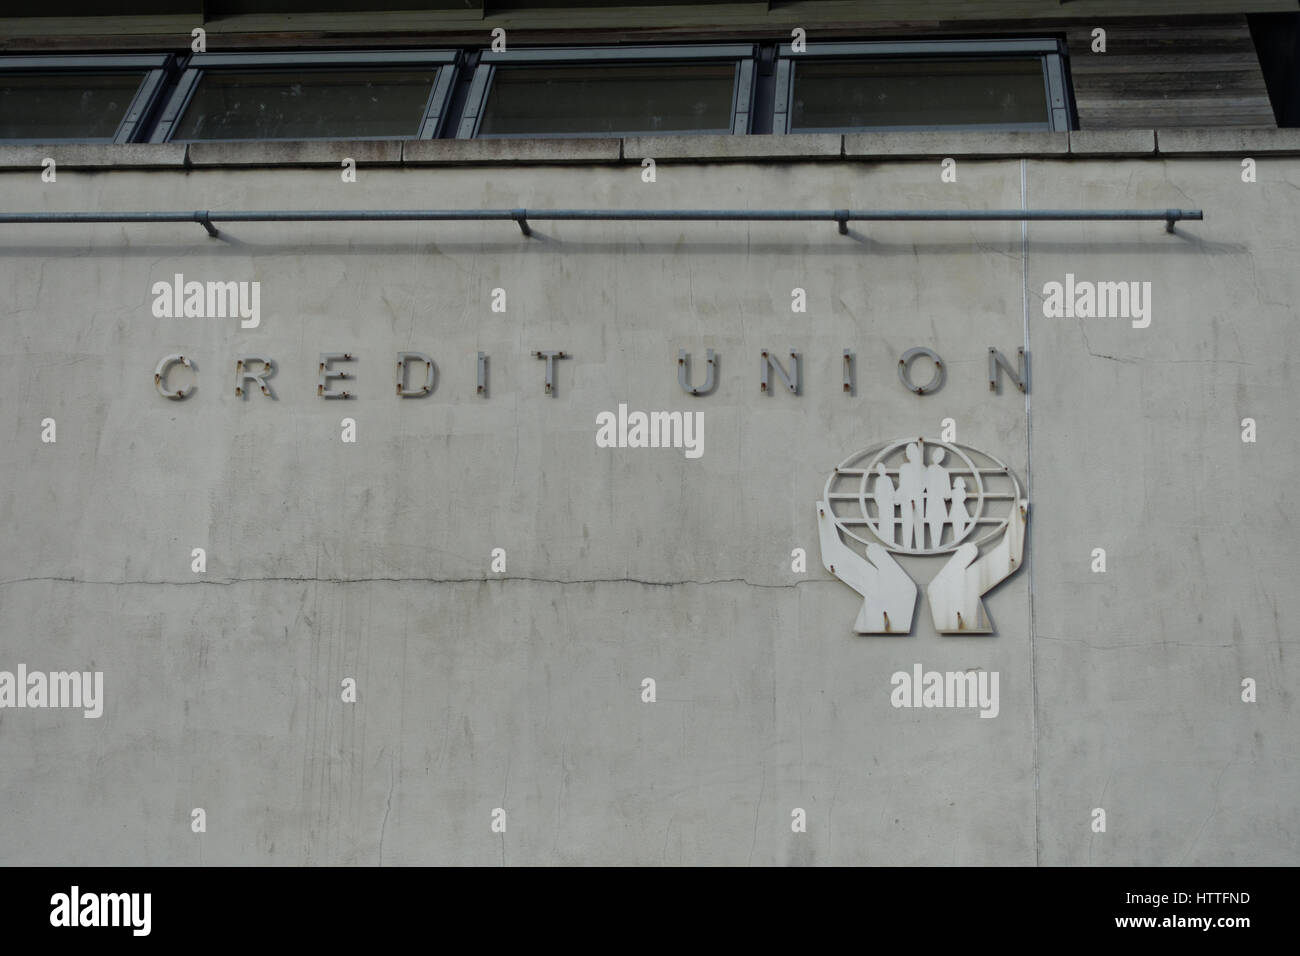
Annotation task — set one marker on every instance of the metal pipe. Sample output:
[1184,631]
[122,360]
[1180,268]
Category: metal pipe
[842,217]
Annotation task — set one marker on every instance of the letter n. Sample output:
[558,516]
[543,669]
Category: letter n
[768,361]
[998,363]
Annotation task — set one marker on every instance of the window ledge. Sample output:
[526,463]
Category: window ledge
[1112,143]
[792,148]
[936,144]
[546,150]
[371,152]
[746,148]
[1237,141]
[94,155]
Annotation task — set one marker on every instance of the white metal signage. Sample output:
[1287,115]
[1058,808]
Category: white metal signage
[916,497]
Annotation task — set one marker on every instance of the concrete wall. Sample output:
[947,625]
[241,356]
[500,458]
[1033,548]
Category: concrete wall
[522,690]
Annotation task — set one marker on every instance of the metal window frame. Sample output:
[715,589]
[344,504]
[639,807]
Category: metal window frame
[1049,51]
[147,95]
[742,55]
[443,62]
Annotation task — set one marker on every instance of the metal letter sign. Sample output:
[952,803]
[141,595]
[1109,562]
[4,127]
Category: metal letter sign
[918,497]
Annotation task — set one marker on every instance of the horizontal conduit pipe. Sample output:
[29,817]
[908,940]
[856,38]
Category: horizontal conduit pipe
[843,217]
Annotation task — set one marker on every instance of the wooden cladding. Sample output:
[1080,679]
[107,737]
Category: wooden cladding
[1158,75]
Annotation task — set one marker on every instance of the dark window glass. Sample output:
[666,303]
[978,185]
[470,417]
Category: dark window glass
[617,98]
[918,92]
[54,106]
[356,104]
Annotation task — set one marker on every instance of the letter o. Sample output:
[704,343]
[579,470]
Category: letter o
[905,371]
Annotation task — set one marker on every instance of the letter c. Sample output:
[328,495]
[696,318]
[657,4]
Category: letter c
[160,378]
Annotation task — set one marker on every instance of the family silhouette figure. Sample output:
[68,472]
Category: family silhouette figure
[926,498]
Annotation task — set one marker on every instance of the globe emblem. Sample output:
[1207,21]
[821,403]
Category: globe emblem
[919,497]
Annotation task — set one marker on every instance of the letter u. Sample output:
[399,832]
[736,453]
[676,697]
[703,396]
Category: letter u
[684,372]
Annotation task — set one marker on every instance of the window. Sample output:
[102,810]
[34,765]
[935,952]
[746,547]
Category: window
[965,84]
[77,99]
[270,96]
[611,92]
[470,92]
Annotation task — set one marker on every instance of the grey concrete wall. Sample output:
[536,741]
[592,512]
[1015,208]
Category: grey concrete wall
[522,690]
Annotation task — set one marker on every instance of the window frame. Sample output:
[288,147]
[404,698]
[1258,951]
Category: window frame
[147,95]
[742,55]
[1049,51]
[444,63]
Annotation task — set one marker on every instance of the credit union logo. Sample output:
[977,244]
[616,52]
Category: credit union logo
[914,497]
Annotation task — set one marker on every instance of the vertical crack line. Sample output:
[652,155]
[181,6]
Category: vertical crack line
[1029,484]
[383,827]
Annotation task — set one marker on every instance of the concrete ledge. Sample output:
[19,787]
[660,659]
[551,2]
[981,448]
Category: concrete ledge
[1111,143]
[937,144]
[1217,140]
[296,153]
[734,148]
[94,155]
[806,147]
[553,150]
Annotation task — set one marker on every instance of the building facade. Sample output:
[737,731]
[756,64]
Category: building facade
[478,611]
